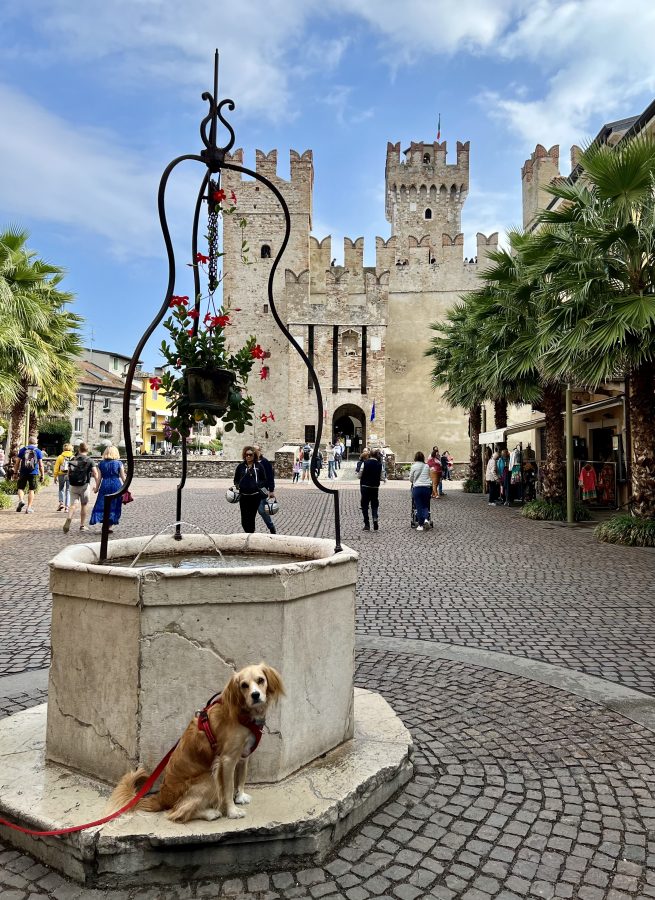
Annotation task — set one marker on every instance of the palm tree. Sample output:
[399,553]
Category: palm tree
[596,254]
[507,312]
[454,351]
[39,336]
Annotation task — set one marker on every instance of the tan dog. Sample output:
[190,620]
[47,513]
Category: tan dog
[202,781]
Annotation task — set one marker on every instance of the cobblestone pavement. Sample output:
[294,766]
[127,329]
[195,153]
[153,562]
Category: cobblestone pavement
[521,789]
[483,577]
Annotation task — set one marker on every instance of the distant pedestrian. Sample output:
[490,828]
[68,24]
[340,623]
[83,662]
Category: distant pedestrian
[112,476]
[30,461]
[270,487]
[80,471]
[421,481]
[306,461]
[338,453]
[249,479]
[492,478]
[370,475]
[319,462]
[60,474]
[450,460]
[444,471]
[436,472]
[332,472]
[297,466]
[363,456]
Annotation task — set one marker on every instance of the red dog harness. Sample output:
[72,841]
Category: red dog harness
[254,727]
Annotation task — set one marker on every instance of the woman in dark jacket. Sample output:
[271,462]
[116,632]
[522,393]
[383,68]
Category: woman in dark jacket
[250,481]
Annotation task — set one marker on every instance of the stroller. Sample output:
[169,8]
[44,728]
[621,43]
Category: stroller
[428,524]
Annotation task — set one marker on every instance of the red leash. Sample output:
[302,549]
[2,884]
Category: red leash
[144,790]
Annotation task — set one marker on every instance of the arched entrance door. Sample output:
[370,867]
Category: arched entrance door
[349,421]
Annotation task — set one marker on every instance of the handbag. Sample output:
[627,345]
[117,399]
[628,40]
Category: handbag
[127,497]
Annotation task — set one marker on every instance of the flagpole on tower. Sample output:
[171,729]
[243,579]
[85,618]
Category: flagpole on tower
[439,128]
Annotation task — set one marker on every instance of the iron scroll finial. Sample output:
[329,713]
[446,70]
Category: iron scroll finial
[213,156]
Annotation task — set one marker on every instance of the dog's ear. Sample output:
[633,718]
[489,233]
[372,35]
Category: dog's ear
[232,696]
[274,679]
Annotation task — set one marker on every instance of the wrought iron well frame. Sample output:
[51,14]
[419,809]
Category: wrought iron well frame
[213,157]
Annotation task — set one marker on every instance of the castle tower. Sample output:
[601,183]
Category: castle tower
[424,193]
[245,287]
[536,174]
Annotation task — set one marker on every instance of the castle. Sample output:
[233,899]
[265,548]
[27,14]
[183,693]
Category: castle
[365,328]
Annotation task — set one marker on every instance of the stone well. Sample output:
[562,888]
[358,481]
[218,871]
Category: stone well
[136,651]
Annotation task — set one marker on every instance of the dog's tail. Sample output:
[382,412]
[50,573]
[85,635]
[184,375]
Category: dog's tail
[127,788]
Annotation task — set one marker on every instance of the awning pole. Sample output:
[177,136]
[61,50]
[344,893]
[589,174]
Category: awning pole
[570,485]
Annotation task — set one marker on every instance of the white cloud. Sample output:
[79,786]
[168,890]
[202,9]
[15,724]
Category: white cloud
[594,57]
[83,178]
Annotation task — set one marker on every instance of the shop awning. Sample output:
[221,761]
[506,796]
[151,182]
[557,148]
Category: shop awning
[499,435]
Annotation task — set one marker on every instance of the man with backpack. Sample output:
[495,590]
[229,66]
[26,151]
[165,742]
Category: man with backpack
[30,461]
[80,471]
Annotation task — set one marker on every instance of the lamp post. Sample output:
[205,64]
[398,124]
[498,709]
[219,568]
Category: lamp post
[570,474]
[32,394]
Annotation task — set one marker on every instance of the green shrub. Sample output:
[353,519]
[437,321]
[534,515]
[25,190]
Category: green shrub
[472,486]
[627,530]
[549,511]
[8,487]
[5,501]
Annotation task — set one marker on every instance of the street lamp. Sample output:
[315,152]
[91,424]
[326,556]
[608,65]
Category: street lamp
[32,394]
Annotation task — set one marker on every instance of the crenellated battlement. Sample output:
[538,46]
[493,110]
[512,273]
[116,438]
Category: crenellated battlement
[537,159]
[540,170]
[301,164]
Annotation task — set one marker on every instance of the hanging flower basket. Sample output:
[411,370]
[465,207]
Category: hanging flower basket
[208,389]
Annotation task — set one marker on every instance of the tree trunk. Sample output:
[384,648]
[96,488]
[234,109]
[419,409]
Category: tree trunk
[554,468]
[33,427]
[18,424]
[475,458]
[500,413]
[642,450]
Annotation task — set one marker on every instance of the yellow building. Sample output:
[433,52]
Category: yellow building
[154,415]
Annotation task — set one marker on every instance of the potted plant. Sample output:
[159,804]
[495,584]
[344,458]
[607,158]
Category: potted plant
[204,380]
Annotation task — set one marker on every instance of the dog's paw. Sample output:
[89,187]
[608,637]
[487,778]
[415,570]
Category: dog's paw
[242,798]
[235,813]
[210,814]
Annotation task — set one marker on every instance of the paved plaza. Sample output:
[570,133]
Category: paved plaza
[489,636]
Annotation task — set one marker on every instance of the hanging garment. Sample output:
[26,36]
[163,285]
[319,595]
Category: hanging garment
[587,482]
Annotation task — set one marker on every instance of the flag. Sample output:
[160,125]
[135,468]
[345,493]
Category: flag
[373,412]
[439,128]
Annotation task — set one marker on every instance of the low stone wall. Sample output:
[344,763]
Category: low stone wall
[400,472]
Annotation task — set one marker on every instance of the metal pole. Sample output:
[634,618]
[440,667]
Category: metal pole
[570,485]
[27,420]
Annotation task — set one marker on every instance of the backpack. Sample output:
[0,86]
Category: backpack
[63,468]
[306,454]
[29,461]
[78,471]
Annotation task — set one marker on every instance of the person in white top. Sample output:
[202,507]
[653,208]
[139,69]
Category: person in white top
[421,480]
[331,461]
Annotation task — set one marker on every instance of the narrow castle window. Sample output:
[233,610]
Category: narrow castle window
[428,213]
[266,251]
[426,158]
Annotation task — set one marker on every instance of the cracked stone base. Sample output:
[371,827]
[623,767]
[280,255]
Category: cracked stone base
[298,819]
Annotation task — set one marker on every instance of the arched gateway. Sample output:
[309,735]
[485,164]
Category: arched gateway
[349,421]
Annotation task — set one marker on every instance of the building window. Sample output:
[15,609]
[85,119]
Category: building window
[78,426]
[108,429]
[154,395]
[114,361]
[265,251]
[80,401]
[106,406]
[310,434]
[426,158]
[153,423]
[428,213]
[265,308]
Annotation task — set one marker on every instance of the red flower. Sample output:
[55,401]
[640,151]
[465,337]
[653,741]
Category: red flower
[233,197]
[264,373]
[218,321]
[264,417]
[219,195]
[155,383]
[270,415]
[257,353]
[193,314]
[178,363]
[200,258]
[178,301]
[190,332]
[207,319]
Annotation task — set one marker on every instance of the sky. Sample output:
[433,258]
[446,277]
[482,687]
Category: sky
[97,97]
